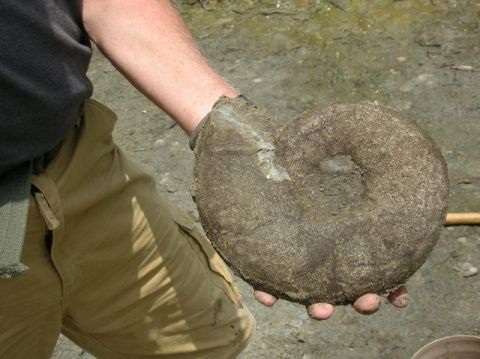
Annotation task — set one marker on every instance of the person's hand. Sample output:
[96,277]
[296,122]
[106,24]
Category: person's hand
[366,304]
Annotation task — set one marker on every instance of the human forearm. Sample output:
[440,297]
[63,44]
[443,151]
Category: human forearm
[148,42]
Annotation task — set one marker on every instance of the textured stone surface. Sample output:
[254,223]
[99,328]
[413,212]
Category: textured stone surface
[340,202]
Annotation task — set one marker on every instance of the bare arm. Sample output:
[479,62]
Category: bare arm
[148,42]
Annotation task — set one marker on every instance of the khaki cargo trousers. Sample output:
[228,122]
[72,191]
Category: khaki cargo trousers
[113,266]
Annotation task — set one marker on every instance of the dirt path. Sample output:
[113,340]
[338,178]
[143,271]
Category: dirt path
[420,57]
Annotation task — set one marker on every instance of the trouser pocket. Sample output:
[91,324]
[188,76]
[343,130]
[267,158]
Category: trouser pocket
[215,262]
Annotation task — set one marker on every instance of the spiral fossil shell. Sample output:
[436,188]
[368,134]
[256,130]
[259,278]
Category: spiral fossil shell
[339,202]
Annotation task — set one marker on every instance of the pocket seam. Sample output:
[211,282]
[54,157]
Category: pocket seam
[187,227]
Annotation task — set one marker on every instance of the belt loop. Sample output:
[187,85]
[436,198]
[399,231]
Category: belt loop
[51,220]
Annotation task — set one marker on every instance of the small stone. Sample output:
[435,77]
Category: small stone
[401,59]
[462,240]
[467,270]
[257,80]
[463,67]
[160,142]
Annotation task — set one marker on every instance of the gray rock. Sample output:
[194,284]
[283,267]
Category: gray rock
[466,269]
[340,202]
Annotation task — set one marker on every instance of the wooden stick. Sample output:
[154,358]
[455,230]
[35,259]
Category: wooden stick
[467,218]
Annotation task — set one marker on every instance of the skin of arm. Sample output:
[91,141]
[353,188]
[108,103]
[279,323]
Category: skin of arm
[150,45]
[148,42]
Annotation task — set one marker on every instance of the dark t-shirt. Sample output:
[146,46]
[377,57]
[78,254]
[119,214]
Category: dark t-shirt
[44,56]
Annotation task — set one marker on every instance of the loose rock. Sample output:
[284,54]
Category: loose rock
[467,270]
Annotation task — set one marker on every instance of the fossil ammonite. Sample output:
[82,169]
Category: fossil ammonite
[339,202]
